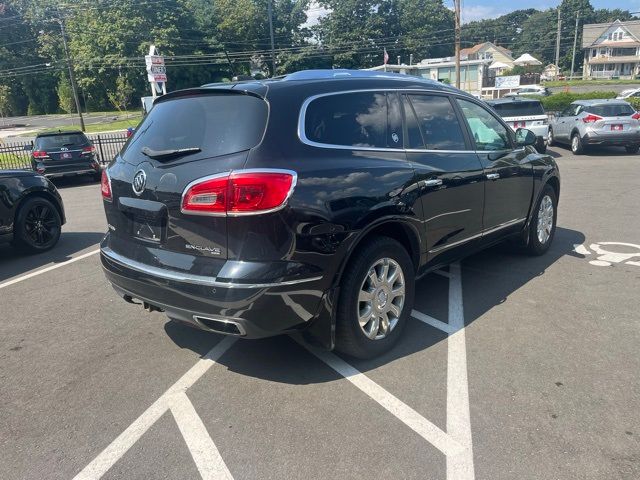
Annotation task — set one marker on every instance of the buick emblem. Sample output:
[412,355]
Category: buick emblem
[139,181]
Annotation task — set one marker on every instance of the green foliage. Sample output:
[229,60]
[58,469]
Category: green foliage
[65,95]
[634,101]
[559,101]
[5,99]
[120,96]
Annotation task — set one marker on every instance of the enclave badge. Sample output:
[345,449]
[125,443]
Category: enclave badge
[139,181]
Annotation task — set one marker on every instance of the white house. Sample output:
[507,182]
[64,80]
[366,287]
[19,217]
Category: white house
[611,49]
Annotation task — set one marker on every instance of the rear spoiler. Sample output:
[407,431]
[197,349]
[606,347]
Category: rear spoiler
[218,89]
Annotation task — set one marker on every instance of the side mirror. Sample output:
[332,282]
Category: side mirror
[525,137]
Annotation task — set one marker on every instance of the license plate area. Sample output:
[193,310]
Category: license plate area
[147,229]
[65,156]
[617,128]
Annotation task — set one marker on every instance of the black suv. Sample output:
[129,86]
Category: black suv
[62,153]
[312,202]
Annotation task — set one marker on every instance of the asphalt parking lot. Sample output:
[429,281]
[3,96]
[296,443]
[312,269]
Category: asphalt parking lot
[512,366]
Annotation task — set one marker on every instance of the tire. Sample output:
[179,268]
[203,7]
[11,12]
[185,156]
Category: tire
[576,144]
[550,140]
[351,338]
[37,226]
[632,149]
[538,244]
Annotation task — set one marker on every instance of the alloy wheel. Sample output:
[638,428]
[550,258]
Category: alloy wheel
[545,219]
[41,224]
[381,298]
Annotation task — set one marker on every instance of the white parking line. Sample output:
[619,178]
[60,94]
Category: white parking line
[110,455]
[47,269]
[203,450]
[460,465]
[407,415]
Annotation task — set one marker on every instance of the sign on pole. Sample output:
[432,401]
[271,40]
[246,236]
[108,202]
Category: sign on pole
[156,71]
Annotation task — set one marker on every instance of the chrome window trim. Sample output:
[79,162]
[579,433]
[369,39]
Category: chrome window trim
[227,174]
[303,112]
[189,277]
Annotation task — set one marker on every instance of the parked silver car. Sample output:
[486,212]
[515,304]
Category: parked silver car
[524,113]
[596,122]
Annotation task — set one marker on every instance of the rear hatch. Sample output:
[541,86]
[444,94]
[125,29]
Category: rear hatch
[209,131]
[64,151]
[611,119]
[522,114]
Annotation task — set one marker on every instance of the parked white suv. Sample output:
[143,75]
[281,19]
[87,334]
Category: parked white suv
[534,90]
[524,113]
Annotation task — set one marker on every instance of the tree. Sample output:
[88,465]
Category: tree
[65,95]
[5,91]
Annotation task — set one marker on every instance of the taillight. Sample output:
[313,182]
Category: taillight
[636,116]
[591,118]
[245,192]
[89,149]
[105,186]
[39,154]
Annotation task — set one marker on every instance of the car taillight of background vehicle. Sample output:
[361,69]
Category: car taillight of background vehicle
[90,149]
[105,186]
[591,118]
[246,192]
[636,116]
[40,154]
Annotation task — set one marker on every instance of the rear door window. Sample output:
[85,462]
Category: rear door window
[519,109]
[217,124]
[614,110]
[359,119]
[52,142]
[438,122]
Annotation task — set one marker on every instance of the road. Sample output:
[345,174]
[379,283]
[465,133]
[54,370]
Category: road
[512,367]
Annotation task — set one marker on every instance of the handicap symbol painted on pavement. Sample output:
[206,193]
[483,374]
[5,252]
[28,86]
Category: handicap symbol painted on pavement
[608,253]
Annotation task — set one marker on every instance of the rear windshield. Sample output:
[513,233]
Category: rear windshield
[615,110]
[58,141]
[519,109]
[217,124]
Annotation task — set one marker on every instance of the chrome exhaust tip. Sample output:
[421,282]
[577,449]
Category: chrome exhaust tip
[220,325]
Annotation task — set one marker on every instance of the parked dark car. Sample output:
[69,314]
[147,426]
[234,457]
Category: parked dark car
[312,203]
[31,211]
[64,153]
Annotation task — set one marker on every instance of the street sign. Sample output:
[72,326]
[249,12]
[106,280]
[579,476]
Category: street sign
[156,71]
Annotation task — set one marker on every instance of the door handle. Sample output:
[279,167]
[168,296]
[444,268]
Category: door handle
[493,176]
[434,182]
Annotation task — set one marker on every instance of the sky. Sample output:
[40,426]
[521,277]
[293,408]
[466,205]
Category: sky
[479,10]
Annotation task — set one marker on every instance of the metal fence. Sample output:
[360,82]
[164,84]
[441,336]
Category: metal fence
[13,156]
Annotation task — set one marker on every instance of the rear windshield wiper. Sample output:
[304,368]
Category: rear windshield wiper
[171,153]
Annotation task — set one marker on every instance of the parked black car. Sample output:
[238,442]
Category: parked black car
[64,153]
[31,211]
[312,202]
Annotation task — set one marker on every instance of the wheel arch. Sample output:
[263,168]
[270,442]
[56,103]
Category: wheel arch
[40,194]
[400,230]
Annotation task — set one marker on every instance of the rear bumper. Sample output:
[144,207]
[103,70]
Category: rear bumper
[625,140]
[257,309]
[80,168]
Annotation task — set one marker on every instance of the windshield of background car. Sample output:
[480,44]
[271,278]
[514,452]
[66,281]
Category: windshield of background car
[519,109]
[613,110]
[51,142]
[217,124]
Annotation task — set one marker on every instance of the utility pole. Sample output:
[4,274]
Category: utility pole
[558,45]
[575,41]
[273,52]
[72,77]
[456,4]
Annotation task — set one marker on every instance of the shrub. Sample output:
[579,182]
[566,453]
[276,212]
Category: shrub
[634,101]
[559,101]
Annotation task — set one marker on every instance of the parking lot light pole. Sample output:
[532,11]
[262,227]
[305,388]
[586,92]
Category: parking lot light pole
[72,77]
